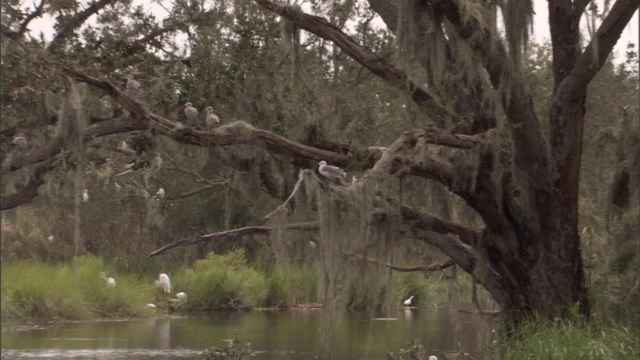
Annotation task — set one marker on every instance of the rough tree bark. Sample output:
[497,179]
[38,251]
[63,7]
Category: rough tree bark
[530,240]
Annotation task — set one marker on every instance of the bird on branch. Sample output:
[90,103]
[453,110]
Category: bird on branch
[191,113]
[330,171]
[211,119]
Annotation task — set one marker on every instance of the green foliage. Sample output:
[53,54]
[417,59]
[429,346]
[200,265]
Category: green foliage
[224,281]
[292,285]
[34,291]
[569,339]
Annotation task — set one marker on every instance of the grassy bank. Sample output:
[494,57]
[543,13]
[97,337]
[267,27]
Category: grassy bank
[571,339]
[35,291]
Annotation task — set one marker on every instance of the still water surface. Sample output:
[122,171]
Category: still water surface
[309,334]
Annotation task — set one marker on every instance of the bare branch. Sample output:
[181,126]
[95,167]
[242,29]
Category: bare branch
[424,268]
[249,230]
[376,64]
[15,35]
[29,191]
[69,25]
[426,221]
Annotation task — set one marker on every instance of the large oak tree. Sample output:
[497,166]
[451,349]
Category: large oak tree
[479,136]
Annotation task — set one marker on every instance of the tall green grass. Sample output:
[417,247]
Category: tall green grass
[570,339]
[40,292]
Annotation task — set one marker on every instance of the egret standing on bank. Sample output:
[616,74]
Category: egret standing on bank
[408,301]
[111,282]
[330,171]
[164,282]
[85,195]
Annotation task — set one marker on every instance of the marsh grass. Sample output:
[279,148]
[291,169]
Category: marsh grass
[569,339]
[41,292]
[291,285]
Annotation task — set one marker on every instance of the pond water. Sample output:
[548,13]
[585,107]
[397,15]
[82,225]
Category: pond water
[304,334]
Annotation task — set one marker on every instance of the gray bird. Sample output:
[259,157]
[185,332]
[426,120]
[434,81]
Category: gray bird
[211,119]
[19,141]
[132,85]
[330,171]
[190,112]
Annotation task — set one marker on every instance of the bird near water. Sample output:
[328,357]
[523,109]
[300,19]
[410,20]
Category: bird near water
[111,282]
[164,282]
[408,301]
[181,295]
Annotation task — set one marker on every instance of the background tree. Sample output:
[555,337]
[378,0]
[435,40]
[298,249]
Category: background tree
[473,135]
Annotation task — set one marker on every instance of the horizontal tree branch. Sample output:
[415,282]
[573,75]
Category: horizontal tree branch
[30,190]
[424,268]
[249,230]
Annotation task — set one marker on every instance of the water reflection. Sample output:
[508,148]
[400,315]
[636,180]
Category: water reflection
[275,335]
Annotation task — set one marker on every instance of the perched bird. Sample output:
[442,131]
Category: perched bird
[433,357]
[111,282]
[211,119]
[151,306]
[164,281]
[312,244]
[190,112]
[124,145]
[160,193]
[330,171]
[85,195]
[408,301]
[354,180]
[19,141]
[132,85]
[51,238]
[181,295]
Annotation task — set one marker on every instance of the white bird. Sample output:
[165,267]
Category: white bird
[132,85]
[433,357]
[160,192]
[164,282]
[19,141]
[124,145]
[85,195]
[211,119]
[354,180]
[181,295]
[408,301]
[51,238]
[151,306]
[312,244]
[190,112]
[330,171]
[111,282]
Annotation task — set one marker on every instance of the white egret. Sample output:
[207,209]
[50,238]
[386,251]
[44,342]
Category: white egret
[160,193]
[181,295]
[124,145]
[51,238]
[330,171]
[85,195]
[151,306]
[164,281]
[312,244]
[190,112]
[433,357]
[408,301]
[111,282]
